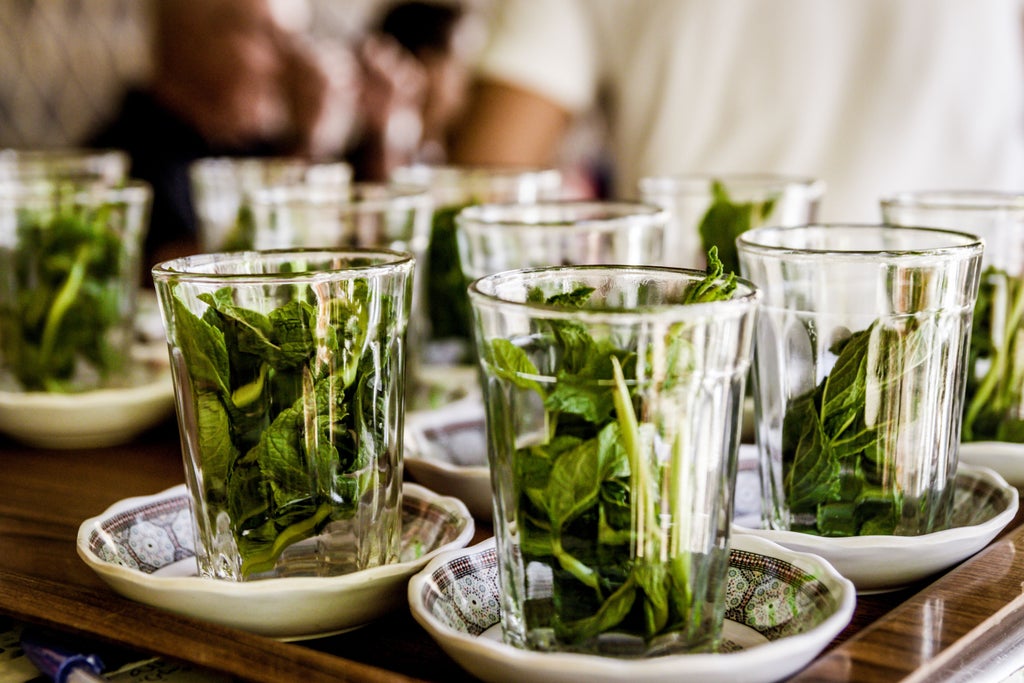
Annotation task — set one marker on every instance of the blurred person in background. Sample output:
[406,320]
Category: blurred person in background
[419,52]
[872,96]
[228,79]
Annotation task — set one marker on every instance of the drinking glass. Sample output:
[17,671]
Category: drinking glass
[497,237]
[70,255]
[613,405]
[78,165]
[359,215]
[994,404]
[860,363]
[454,188]
[288,375]
[711,210]
[220,188]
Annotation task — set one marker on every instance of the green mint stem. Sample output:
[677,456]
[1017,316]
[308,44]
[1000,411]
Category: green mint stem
[65,297]
[247,393]
[678,548]
[997,370]
[264,561]
[570,564]
[631,438]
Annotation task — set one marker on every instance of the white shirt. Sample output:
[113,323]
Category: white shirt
[871,96]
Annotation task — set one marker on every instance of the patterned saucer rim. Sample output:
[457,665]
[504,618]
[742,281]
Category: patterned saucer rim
[1008,495]
[287,585]
[494,660]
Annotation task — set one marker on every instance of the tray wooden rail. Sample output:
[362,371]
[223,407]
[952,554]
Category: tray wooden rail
[98,614]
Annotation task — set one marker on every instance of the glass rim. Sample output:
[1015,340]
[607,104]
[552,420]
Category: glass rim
[80,191]
[698,182]
[955,200]
[227,161]
[195,268]
[457,171]
[396,196]
[676,311]
[967,245]
[59,154]
[501,215]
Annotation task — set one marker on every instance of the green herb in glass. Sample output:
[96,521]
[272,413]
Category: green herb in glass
[589,501]
[725,220]
[446,285]
[68,271]
[995,380]
[834,460]
[242,235]
[285,438]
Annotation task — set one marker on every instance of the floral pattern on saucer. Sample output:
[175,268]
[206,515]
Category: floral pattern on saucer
[768,594]
[784,609]
[772,596]
[143,548]
[467,592]
[155,535]
[147,538]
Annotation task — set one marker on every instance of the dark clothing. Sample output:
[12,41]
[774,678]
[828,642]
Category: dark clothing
[162,146]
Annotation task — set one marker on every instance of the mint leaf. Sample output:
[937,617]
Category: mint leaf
[283,436]
[726,220]
[583,481]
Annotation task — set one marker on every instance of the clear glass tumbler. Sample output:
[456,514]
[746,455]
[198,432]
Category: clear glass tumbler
[221,185]
[385,215]
[70,255]
[497,237]
[613,400]
[288,373]
[860,363]
[994,406]
[454,188]
[357,215]
[711,210]
[76,165]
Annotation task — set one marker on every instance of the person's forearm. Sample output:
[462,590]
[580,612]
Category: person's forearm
[505,125]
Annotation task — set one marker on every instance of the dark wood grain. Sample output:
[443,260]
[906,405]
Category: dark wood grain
[928,633]
[97,613]
[964,621]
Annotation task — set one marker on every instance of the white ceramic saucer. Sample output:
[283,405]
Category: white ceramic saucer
[783,608]
[446,451]
[984,504]
[93,419]
[436,386]
[143,548]
[1005,458]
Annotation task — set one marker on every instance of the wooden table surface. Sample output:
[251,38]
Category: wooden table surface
[967,622]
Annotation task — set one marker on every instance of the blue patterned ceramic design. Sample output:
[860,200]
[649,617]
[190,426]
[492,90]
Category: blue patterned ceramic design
[783,608]
[143,548]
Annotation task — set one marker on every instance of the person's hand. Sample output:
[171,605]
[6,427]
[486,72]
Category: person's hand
[393,89]
[321,85]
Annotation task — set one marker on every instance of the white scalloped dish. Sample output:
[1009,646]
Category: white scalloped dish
[143,548]
[1002,456]
[446,451]
[984,504]
[93,419]
[456,599]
